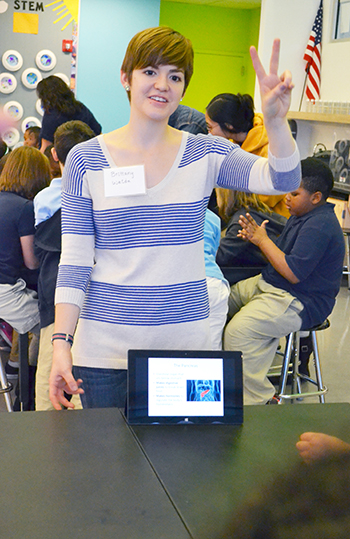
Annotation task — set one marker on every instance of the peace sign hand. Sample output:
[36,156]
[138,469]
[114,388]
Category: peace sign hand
[275,90]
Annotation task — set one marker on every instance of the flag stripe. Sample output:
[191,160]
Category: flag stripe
[312,56]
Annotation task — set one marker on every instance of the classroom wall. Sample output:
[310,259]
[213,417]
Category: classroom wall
[221,38]
[105,28]
[292,23]
[29,27]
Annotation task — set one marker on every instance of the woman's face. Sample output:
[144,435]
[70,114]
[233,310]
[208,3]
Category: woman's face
[155,91]
[215,129]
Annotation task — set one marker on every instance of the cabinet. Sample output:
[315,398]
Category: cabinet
[328,129]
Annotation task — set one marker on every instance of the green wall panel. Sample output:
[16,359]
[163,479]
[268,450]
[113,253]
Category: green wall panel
[221,38]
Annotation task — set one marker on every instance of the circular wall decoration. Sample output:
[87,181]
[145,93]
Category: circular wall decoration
[39,107]
[30,121]
[12,60]
[45,60]
[63,77]
[8,83]
[10,136]
[14,110]
[31,77]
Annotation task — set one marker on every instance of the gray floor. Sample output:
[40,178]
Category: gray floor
[334,347]
[334,351]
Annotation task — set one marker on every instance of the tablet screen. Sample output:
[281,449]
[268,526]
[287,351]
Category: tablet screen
[184,387]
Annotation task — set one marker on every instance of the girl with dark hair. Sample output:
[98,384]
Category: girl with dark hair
[232,116]
[60,106]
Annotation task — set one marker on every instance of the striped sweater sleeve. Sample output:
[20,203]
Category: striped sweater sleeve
[247,172]
[78,237]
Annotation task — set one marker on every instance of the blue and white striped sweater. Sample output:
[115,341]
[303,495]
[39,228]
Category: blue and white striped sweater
[135,265]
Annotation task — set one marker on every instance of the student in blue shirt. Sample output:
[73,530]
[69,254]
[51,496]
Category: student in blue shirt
[297,289]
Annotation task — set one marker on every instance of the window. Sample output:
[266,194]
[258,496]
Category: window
[342,22]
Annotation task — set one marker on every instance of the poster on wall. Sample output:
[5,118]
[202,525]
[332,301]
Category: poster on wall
[31,48]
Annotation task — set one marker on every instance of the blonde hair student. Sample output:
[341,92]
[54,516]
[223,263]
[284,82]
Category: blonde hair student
[133,204]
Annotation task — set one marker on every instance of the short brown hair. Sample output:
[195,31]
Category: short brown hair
[157,46]
[69,134]
[26,172]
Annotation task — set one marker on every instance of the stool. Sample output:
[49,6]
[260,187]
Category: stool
[290,366]
[5,388]
[23,374]
[346,267]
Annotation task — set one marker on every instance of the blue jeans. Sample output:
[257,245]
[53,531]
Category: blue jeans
[103,388]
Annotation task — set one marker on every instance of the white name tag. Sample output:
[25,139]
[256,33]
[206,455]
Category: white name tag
[125,181]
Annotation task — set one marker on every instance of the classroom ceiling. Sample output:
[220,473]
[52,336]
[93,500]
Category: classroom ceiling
[243,4]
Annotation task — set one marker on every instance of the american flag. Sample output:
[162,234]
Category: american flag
[312,57]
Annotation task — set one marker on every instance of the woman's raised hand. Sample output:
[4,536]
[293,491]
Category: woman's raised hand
[275,90]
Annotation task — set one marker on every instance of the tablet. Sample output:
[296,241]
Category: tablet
[184,387]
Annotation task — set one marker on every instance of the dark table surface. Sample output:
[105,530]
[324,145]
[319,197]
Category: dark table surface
[86,474]
[209,471]
[82,475]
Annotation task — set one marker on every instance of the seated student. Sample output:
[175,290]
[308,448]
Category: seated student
[297,289]
[232,116]
[3,148]
[187,119]
[54,165]
[26,171]
[218,288]
[31,136]
[302,502]
[3,160]
[47,207]
[233,252]
[239,259]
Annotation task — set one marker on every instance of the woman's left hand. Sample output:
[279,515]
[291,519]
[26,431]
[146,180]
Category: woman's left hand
[275,90]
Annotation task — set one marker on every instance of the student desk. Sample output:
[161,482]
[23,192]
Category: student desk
[88,475]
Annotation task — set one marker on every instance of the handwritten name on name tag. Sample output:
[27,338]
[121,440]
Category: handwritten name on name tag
[125,181]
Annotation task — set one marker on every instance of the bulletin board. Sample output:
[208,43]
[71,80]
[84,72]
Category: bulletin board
[33,35]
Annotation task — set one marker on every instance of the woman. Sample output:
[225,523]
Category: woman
[132,265]
[60,106]
[232,116]
[240,259]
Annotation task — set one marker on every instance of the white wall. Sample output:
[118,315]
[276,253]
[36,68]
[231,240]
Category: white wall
[291,21]
[335,81]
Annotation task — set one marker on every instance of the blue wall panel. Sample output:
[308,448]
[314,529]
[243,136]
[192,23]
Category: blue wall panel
[105,28]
